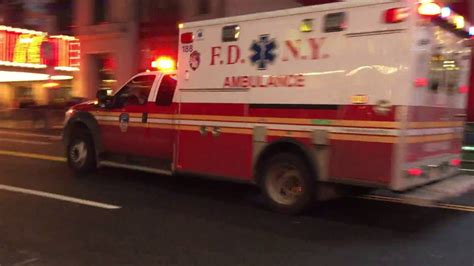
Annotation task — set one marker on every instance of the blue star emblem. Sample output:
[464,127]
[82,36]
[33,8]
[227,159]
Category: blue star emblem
[264,51]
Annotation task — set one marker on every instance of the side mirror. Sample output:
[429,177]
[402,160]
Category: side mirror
[103,97]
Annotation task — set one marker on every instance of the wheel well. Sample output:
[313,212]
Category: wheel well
[76,128]
[80,128]
[285,146]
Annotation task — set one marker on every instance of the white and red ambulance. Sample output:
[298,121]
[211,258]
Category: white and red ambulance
[368,93]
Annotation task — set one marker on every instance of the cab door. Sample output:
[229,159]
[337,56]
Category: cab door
[123,125]
[160,134]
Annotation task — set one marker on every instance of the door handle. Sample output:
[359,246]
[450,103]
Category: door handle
[203,131]
[216,132]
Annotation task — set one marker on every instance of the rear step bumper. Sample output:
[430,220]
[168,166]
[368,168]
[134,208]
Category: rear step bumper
[447,188]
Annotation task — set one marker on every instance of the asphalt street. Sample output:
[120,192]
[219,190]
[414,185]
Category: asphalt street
[48,216]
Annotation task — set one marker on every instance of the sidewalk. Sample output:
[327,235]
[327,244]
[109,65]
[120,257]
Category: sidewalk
[32,119]
[29,126]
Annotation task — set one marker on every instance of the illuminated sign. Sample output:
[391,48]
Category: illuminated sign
[28,49]
[33,49]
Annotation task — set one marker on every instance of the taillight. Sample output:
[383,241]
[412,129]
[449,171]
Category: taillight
[415,172]
[455,162]
[421,82]
[429,8]
[396,15]
[463,89]
[187,37]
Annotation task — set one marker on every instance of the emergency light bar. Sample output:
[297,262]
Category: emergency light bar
[430,9]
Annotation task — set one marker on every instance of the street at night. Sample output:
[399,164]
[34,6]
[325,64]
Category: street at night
[237,132]
[135,218]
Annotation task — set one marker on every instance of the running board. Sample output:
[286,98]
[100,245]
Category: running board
[447,188]
[135,167]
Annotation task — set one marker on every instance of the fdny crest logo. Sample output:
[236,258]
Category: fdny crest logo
[194,60]
[123,121]
[263,51]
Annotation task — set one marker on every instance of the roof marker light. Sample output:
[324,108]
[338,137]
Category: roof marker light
[459,22]
[446,12]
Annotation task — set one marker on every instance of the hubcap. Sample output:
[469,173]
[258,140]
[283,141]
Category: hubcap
[285,184]
[78,154]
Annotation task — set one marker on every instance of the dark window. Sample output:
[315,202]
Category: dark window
[166,90]
[444,74]
[61,9]
[100,7]
[136,92]
[230,33]
[335,22]
[203,7]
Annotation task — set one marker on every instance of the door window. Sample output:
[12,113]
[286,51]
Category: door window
[444,74]
[135,92]
[166,90]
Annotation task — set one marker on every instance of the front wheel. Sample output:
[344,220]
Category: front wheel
[287,183]
[81,154]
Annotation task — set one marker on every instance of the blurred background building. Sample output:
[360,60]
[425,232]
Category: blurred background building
[38,60]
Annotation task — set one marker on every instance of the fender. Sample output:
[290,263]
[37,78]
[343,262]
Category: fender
[88,121]
[285,144]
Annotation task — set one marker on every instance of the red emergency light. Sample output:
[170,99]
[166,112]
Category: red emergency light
[396,15]
[187,37]
[164,64]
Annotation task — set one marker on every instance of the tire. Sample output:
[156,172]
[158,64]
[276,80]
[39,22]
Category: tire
[287,184]
[81,154]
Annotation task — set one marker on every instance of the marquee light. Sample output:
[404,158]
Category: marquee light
[35,49]
[15,76]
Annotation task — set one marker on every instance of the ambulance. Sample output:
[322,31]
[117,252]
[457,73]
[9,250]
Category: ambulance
[366,93]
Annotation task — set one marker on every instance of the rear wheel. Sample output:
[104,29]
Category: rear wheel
[81,154]
[287,183]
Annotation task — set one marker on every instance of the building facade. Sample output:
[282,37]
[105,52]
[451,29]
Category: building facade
[36,68]
[38,60]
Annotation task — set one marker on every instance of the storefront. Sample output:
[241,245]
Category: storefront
[36,68]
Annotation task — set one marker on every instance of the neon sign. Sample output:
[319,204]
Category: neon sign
[33,49]
[28,49]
